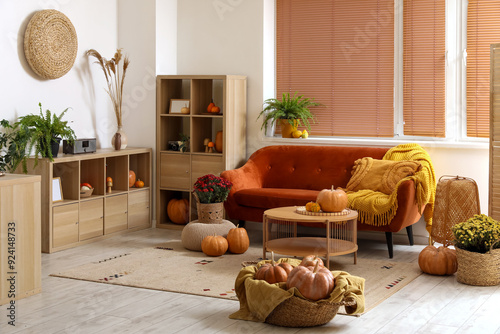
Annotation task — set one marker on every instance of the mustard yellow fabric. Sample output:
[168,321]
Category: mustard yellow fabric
[378,209]
[259,298]
[380,175]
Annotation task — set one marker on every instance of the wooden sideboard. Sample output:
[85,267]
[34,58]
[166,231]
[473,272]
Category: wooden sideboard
[20,241]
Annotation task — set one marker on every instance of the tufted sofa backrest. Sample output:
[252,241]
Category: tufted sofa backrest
[309,167]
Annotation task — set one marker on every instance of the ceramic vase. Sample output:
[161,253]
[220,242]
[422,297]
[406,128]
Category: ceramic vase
[123,139]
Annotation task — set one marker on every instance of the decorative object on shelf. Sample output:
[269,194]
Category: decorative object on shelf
[85,190]
[205,143]
[290,111]
[477,245]
[114,79]
[179,106]
[82,145]
[237,239]
[109,184]
[184,143]
[57,193]
[44,133]
[438,261]
[214,245]
[219,141]
[131,178]
[50,44]
[211,191]
[212,108]
[118,141]
[457,199]
[178,211]
[210,147]
[139,183]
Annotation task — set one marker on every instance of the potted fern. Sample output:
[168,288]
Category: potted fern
[291,112]
[44,133]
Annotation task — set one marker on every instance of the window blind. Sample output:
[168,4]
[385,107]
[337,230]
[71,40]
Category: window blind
[424,53]
[341,53]
[483,29]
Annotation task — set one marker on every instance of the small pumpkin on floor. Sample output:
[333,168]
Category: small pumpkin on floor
[214,245]
[237,239]
[438,261]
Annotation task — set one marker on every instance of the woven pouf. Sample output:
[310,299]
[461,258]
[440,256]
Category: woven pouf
[194,233]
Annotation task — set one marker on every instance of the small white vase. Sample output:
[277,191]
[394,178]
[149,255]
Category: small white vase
[123,138]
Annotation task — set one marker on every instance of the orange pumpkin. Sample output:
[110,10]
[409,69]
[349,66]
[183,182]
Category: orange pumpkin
[215,110]
[131,178]
[139,183]
[214,245]
[438,261]
[314,283]
[313,207]
[274,272]
[332,200]
[218,142]
[210,106]
[238,240]
[178,211]
[310,261]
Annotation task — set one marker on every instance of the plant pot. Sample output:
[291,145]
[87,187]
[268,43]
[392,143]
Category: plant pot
[477,268]
[210,213]
[287,129]
[54,147]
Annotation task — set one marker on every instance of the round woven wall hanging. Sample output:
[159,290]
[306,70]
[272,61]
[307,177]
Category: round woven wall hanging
[50,44]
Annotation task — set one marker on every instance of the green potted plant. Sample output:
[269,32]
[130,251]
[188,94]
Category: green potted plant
[44,133]
[12,146]
[291,111]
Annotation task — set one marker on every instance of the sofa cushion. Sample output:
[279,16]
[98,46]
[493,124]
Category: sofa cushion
[380,175]
[266,198]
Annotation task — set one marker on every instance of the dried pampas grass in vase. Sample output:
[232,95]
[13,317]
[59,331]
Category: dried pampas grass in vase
[114,78]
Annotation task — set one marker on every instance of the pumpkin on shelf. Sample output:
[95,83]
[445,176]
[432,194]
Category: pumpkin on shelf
[214,245]
[314,283]
[178,211]
[311,260]
[438,261]
[139,183]
[237,239]
[332,200]
[131,178]
[274,272]
[218,141]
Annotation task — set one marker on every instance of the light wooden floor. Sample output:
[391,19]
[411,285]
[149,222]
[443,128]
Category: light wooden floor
[429,304]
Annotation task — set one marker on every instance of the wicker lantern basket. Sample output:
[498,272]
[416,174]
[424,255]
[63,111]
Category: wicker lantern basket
[457,199]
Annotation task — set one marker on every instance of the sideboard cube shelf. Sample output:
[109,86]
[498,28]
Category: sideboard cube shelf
[178,171]
[74,220]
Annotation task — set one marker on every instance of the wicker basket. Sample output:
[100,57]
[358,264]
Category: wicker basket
[477,268]
[457,199]
[209,213]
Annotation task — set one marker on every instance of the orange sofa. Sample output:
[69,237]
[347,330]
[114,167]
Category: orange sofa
[290,175]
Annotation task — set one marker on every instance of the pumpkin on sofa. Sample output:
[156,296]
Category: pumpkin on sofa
[214,245]
[238,240]
[274,272]
[438,261]
[178,210]
[334,200]
[314,283]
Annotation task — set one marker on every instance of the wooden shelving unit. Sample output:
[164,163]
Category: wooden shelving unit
[74,220]
[176,172]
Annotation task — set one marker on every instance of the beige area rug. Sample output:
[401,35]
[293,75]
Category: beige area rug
[171,267]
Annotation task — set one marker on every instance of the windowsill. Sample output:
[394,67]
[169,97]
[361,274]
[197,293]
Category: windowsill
[377,142]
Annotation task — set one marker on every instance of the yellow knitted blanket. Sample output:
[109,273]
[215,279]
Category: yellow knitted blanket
[378,209]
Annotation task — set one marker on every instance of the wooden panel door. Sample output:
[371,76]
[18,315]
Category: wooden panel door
[139,209]
[64,225]
[115,213]
[91,219]
[494,186]
[175,171]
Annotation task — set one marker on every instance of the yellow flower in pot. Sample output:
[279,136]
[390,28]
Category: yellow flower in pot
[477,241]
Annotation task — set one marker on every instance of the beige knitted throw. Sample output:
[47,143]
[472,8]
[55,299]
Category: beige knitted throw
[378,209]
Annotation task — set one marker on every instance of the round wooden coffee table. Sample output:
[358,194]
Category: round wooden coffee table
[280,233]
